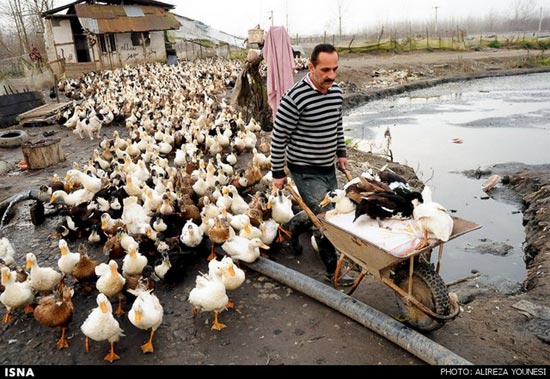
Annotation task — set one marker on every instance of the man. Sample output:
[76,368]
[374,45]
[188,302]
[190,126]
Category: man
[308,136]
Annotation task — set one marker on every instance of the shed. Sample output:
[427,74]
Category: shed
[84,36]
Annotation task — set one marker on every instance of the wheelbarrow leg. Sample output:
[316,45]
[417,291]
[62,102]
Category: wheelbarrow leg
[356,282]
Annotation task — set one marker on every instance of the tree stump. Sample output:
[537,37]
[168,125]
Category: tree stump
[43,153]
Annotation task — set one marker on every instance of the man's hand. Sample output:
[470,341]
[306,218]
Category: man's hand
[342,163]
[279,183]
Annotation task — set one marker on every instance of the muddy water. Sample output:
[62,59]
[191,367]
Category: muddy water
[496,120]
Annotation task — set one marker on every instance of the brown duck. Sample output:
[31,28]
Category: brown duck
[56,310]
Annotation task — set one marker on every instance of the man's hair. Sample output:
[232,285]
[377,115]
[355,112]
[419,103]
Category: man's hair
[321,48]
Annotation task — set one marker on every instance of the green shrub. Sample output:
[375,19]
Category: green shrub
[494,44]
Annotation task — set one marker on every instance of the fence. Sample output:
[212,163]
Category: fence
[186,49]
[450,40]
[10,67]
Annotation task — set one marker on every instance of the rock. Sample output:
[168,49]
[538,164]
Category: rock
[5,167]
[491,247]
[536,310]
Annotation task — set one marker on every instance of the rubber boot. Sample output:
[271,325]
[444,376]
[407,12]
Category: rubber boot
[327,252]
[297,225]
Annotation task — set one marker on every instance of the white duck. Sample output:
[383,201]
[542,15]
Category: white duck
[68,259]
[209,295]
[43,279]
[281,210]
[101,325]
[162,268]
[134,216]
[342,203]
[146,313]
[433,218]
[72,199]
[16,294]
[92,184]
[133,262]
[243,249]
[281,207]
[7,252]
[110,282]
[249,231]
[191,234]
[269,229]
[233,277]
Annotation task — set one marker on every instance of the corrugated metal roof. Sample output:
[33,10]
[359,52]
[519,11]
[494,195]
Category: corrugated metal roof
[101,19]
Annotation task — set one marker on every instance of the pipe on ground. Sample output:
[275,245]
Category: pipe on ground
[405,337]
[33,194]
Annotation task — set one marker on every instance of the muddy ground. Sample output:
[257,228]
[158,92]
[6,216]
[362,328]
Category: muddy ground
[273,324]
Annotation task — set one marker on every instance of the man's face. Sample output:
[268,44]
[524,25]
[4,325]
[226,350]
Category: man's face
[324,73]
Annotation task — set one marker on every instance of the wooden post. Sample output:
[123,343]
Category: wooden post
[55,81]
[427,39]
[43,153]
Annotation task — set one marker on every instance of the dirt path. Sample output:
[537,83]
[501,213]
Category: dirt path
[272,324]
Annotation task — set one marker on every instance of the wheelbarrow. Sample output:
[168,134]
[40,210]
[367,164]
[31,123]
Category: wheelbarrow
[423,298]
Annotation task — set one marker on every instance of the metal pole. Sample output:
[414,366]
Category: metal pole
[435,28]
[540,19]
[387,327]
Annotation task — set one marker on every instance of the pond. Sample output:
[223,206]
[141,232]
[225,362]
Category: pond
[444,130]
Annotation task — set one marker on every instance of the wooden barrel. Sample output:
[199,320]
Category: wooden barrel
[43,153]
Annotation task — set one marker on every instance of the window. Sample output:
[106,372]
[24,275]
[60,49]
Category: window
[107,43]
[139,39]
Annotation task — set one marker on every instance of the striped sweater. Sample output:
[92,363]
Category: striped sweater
[308,130]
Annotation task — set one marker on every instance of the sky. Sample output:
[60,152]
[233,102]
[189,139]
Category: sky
[306,17]
[314,17]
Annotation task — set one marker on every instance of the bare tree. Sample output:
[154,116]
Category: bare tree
[522,11]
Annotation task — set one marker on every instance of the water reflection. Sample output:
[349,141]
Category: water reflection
[499,120]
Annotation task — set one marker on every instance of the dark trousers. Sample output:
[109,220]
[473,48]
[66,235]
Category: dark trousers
[312,189]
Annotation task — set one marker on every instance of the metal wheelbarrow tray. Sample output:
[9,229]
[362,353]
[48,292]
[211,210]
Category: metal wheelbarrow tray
[423,298]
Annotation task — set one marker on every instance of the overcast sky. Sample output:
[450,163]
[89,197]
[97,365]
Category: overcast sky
[306,17]
[316,16]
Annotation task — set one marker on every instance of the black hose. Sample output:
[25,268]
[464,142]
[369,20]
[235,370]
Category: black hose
[387,327]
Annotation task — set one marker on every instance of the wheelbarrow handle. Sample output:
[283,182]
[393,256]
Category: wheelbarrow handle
[302,204]
[345,171]
[348,175]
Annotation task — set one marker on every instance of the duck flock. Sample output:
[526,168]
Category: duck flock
[190,182]
[177,189]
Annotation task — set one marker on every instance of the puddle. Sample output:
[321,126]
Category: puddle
[497,120]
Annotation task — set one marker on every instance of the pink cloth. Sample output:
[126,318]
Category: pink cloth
[280,65]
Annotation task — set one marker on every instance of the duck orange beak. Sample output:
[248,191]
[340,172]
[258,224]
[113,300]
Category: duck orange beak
[231,271]
[138,317]
[103,307]
[28,265]
[326,201]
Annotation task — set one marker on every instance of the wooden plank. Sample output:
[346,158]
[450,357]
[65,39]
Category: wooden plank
[44,110]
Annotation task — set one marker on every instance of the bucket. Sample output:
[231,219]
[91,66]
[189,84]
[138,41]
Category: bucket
[256,36]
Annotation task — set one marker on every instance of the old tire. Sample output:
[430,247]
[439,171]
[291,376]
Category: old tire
[13,138]
[429,289]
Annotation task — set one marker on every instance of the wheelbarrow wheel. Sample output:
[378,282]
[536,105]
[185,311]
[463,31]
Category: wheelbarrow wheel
[429,289]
